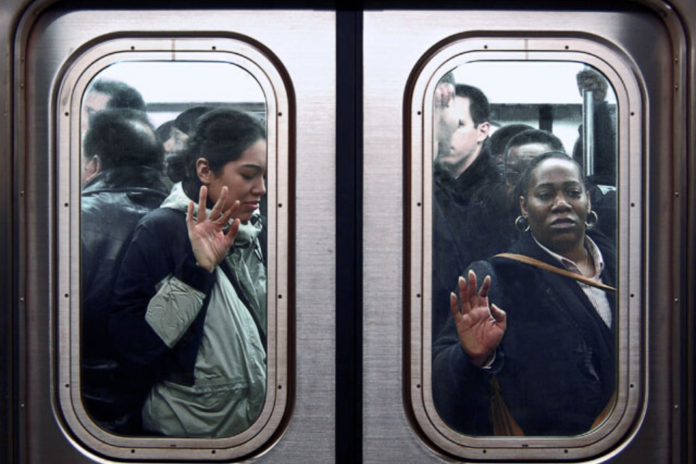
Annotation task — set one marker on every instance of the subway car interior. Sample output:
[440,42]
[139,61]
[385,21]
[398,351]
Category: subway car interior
[444,231]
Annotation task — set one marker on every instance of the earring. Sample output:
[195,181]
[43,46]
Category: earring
[592,223]
[521,224]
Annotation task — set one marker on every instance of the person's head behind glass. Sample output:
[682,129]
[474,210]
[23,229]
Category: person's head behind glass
[103,94]
[500,138]
[174,135]
[471,112]
[119,138]
[555,203]
[227,148]
[521,150]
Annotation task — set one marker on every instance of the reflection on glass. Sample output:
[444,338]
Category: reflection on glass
[173,317]
[524,209]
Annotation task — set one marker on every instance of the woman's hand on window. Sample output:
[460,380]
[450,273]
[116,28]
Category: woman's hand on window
[480,325]
[209,241]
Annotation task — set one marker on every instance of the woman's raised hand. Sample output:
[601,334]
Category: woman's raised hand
[208,240]
[480,326]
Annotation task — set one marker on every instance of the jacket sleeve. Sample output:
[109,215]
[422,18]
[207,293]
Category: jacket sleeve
[159,291]
[460,389]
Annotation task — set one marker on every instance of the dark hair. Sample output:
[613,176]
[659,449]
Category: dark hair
[478,106]
[500,137]
[186,120]
[526,177]
[534,136]
[123,137]
[164,131]
[121,95]
[219,136]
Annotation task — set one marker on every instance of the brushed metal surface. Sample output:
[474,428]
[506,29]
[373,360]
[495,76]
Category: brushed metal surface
[308,55]
[9,404]
[394,42]
[382,444]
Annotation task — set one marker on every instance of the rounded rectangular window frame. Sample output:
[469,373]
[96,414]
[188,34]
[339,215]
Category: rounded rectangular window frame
[66,140]
[617,430]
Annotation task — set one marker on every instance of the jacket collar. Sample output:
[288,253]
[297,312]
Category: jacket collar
[526,245]
[482,171]
[126,177]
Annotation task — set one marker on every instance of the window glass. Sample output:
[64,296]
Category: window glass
[524,164]
[173,313]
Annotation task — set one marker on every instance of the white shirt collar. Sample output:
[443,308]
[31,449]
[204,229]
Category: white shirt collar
[571,266]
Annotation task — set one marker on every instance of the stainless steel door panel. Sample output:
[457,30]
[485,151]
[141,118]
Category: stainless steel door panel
[308,55]
[659,37]
[394,42]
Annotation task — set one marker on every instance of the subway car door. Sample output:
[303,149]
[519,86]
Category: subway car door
[378,151]
[441,90]
[269,368]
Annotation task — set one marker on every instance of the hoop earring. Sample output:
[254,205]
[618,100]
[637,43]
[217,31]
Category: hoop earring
[521,224]
[593,223]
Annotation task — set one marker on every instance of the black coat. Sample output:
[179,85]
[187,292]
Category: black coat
[112,204]
[605,146]
[556,364]
[467,215]
[160,247]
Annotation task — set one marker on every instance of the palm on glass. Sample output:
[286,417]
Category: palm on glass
[480,325]
[209,241]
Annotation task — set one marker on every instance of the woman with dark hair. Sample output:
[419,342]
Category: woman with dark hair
[546,365]
[191,294]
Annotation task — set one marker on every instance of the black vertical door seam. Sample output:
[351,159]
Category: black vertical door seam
[349,236]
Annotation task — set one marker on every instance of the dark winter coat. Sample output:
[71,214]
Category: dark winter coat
[556,363]
[467,215]
[112,204]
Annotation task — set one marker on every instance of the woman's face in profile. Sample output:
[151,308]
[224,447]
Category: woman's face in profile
[243,178]
[557,204]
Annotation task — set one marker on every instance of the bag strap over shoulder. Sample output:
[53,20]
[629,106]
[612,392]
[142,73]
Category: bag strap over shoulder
[504,425]
[557,270]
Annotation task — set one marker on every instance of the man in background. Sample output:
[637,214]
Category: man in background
[103,94]
[122,177]
[465,178]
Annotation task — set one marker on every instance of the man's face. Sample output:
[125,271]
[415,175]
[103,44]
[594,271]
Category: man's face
[518,158]
[90,168]
[467,140]
[176,141]
[173,146]
[94,101]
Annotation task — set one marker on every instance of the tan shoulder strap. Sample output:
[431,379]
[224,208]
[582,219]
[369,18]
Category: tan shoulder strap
[557,270]
[504,425]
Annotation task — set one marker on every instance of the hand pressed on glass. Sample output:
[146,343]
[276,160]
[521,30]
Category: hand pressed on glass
[209,241]
[480,325]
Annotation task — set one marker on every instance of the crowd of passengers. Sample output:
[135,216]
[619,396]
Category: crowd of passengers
[523,271]
[174,271]
[173,268]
